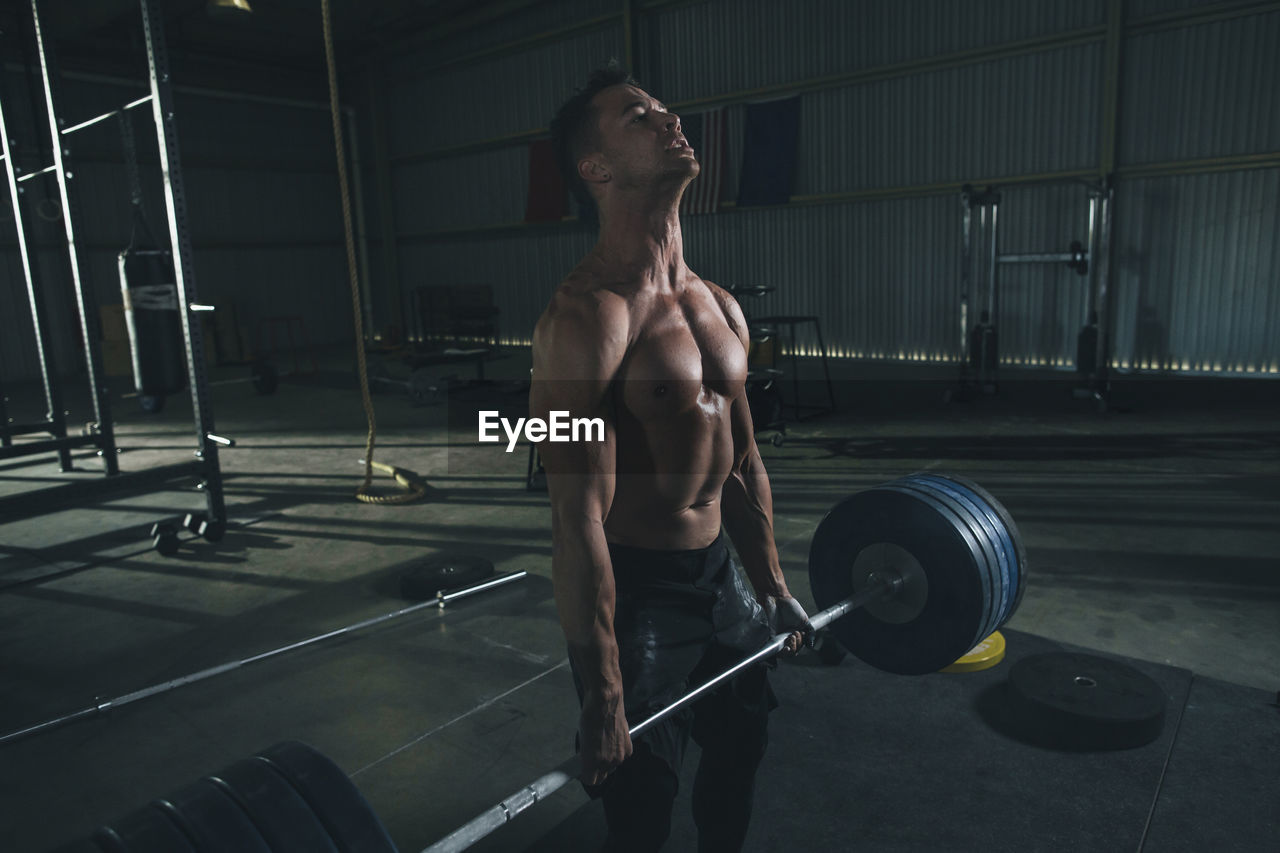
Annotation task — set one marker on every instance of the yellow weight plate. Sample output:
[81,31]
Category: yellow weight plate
[985,655]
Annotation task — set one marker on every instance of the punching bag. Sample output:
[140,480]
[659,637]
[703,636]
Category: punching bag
[151,316]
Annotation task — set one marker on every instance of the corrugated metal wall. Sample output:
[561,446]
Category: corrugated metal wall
[1194,253]
[927,94]
[1198,273]
[263,208]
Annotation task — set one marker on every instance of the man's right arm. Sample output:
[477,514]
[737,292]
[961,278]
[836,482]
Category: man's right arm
[578,348]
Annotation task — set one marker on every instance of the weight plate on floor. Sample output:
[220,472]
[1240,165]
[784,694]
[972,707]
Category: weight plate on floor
[998,556]
[1011,530]
[985,655]
[284,819]
[1082,702]
[209,816]
[446,571]
[343,810]
[955,604]
[147,830]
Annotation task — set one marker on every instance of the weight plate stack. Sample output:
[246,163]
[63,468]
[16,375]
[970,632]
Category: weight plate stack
[1009,531]
[996,584]
[958,583]
[957,548]
[1000,559]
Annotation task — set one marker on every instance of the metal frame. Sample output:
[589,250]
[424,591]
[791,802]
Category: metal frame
[101,433]
[985,238]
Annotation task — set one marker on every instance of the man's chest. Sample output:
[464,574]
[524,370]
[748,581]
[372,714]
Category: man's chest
[683,353]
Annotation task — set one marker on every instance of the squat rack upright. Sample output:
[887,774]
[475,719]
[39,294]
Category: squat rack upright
[101,434]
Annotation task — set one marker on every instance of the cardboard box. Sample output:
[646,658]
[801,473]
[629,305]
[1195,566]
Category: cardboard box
[116,360]
[112,319]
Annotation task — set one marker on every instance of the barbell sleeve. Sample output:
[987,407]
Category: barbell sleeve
[547,784]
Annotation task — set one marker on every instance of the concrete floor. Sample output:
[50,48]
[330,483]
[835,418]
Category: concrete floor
[1150,530]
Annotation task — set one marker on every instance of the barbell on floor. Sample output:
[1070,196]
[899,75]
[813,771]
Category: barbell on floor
[910,575]
[439,600]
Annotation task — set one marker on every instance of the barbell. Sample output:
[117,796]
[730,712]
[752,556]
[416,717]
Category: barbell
[909,576]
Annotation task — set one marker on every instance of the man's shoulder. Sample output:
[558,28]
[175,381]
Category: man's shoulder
[583,312]
[584,297]
[728,304]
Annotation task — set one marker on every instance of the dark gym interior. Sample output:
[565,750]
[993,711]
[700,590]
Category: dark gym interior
[1010,279]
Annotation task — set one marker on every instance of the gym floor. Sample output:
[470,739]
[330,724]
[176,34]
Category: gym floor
[1150,531]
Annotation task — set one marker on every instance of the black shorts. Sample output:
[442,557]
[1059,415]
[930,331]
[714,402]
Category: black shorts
[681,618]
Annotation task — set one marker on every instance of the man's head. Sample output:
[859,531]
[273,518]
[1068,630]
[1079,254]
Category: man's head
[610,129]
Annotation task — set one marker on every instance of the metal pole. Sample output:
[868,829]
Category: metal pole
[1102,306]
[1036,258]
[966,276]
[175,197]
[55,421]
[1093,257]
[89,328]
[992,275]
[164,687]
[547,784]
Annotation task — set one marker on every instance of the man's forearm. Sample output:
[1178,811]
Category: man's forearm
[585,600]
[747,512]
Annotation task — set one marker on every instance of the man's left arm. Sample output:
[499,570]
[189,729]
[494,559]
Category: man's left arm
[747,512]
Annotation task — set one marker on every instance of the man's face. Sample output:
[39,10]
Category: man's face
[641,142]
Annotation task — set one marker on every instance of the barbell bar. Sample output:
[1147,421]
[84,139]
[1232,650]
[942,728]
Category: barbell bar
[547,784]
[442,598]
[931,558]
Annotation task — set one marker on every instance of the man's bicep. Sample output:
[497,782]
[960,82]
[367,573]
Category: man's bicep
[577,355]
[742,428]
[581,476]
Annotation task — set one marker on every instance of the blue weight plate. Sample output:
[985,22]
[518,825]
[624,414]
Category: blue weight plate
[1011,530]
[1009,544]
[987,541]
[989,562]
[954,609]
[993,531]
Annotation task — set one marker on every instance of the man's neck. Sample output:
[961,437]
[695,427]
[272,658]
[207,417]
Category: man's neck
[643,239]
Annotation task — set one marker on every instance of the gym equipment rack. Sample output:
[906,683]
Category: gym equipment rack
[980,257]
[101,433]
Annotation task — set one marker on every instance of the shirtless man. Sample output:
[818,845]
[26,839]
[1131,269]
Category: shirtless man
[649,599]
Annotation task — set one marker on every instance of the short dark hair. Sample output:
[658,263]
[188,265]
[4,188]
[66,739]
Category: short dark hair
[574,130]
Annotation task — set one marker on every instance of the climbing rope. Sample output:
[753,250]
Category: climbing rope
[408,479]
